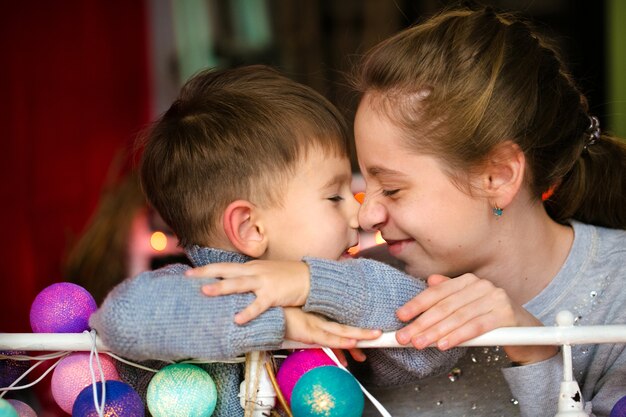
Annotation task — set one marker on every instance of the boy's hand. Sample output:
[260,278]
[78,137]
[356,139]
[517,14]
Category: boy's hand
[275,283]
[356,353]
[313,329]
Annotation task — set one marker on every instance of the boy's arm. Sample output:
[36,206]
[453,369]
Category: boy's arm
[360,292]
[163,315]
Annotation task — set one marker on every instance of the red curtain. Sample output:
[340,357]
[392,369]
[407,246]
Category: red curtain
[74,82]
[74,93]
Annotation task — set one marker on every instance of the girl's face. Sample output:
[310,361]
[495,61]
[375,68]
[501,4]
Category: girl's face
[428,222]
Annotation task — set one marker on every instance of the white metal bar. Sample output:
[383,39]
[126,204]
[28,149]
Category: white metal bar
[505,336]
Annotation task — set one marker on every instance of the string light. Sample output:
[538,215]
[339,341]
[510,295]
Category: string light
[158,241]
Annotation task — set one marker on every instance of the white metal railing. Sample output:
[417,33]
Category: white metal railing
[563,334]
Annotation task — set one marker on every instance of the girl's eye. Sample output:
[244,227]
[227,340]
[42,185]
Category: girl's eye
[336,198]
[389,193]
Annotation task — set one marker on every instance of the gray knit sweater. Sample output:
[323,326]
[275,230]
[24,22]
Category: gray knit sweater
[163,315]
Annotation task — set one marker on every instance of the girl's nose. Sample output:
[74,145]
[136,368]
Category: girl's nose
[353,212]
[372,214]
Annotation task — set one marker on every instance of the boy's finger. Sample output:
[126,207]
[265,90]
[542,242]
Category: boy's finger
[251,312]
[223,270]
[230,286]
[333,341]
[350,331]
[341,356]
[357,354]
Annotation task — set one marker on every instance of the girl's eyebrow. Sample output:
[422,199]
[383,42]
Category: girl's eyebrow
[377,171]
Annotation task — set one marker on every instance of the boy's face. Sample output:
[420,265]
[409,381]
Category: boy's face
[318,216]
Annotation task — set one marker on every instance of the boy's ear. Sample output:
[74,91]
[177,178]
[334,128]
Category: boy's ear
[504,173]
[243,230]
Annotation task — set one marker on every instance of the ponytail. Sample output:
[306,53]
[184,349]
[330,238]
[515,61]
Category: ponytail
[594,190]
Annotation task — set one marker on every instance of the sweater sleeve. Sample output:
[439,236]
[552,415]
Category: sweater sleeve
[367,293]
[537,386]
[360,292]
[163,315]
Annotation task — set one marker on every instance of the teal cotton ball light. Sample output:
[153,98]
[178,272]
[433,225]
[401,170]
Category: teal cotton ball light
[327,391]
[181,390]
[6,409]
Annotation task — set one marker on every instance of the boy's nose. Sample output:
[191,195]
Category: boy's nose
[372,214]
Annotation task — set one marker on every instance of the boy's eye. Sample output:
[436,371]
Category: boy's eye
[389,193]
[336,198]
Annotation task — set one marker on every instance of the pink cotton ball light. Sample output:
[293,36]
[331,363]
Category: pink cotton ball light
[296,365]
[62,308]
[23,409]
[72,374]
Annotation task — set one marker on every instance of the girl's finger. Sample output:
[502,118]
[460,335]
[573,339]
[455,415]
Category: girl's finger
[436,279]
[431,296]
[474,327]
[476,312]
[450,306]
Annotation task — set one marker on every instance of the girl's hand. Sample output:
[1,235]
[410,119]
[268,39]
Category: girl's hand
[312,329]
[275,283]
[452,311]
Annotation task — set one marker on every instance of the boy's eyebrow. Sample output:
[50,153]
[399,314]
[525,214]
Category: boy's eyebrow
[337,179]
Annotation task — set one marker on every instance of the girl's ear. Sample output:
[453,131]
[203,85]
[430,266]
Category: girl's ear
[504,174]
[243,228]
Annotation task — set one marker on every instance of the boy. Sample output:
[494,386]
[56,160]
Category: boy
[249,164]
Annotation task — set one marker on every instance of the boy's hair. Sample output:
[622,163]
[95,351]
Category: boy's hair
[476,78]
[233,134]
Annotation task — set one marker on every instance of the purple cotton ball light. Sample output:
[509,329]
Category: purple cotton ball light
[72,375]
[121,400]
[296,365]
[23,409]
[62,308]
[619,409]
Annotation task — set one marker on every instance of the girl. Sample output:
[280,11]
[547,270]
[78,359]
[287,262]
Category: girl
[483,164]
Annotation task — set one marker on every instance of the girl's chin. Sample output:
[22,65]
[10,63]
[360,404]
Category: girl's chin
[346,255]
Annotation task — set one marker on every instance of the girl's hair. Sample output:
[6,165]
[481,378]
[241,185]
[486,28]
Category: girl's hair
[469,80]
